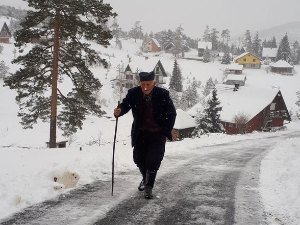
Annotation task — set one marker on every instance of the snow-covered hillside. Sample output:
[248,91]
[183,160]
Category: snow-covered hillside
[27,167]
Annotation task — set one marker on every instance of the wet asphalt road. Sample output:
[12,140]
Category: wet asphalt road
[217,185]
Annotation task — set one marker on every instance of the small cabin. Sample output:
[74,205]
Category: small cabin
[282,67]
[184,125]
[5,34]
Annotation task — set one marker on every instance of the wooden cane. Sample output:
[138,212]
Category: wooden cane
[113,157]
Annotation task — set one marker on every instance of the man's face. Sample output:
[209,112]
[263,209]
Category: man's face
[147,86]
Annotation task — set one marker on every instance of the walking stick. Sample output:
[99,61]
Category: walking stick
[113,157]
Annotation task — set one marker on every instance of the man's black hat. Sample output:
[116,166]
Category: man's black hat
[145,76]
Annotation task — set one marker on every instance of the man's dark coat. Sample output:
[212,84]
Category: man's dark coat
[164,112]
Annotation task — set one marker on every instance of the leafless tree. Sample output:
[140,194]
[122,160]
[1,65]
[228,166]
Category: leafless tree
[241,120]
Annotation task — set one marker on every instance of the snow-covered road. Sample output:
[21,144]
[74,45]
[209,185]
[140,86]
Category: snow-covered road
[217,185]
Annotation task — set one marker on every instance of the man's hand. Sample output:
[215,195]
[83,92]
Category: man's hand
[117,112]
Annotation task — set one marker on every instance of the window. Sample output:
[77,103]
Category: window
[129,77]
[272,107]
[157,70]
[253,65]
[254,60]
[244,60]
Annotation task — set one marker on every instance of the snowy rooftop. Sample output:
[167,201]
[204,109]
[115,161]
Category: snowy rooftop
[184,120]
[146,65]
[247,100]
[281,64]
[156,42]
[236,77]
[269,52]
[202,44]
[235,66]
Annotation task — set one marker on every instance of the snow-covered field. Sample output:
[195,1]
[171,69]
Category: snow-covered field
[28,168]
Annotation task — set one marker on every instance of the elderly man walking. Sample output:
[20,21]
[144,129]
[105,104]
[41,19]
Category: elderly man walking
[154,116]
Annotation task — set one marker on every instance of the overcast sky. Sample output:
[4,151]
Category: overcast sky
[194,15]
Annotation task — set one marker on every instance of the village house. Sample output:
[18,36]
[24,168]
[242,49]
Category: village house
[248,60]
[233,79]
[202,46]
[234,68]
[129,77]
[282,67]
[269,53]
[247,109]
[184,125]
[5,34]
[152,46]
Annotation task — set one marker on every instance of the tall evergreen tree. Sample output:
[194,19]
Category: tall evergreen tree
[284,50]
[209,86]
[176,78]
[214,38]
[44,63]
[257,48]
[3,69]
[206,55]
[206,36]
[209,120]
[190,96]
[248,42]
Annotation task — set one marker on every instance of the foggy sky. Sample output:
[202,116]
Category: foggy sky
[194,15]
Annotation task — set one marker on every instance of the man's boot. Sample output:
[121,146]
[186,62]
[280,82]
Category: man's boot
[149,183]
[142,184]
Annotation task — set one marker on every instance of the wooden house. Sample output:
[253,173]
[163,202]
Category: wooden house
[129,77]
[202,46]
[234,68]
[247,109]
[184,125]
[269,53]
[248,60]
[282,67]
[5,34]
[233,79]
[152,46]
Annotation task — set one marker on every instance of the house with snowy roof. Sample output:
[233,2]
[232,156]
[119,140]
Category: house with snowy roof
[152,46]
[282,67]
[248,60]
[259,109]
[269,53]
[184,125]
[5,33]
[202,45]
[233,79]
[129,77]
[234,68]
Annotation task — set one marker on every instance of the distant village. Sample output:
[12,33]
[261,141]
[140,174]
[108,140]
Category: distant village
[279,56]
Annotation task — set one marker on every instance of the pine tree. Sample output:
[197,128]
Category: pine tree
[63,56]
[206,55]
[248,42]
[257,48]
[206,36]
[3,69]
[176,78]
[214,38]
[284,50]
[208,121]
[190,96]
[116,32]
[226,59]
[209,86]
